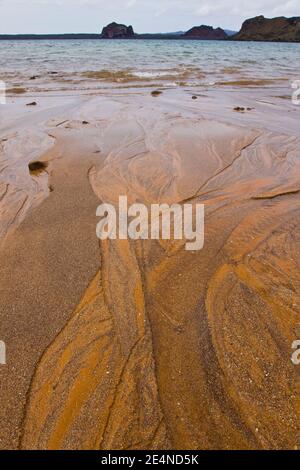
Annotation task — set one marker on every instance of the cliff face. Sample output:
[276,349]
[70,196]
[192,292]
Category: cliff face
[117,31]
[205,32]
[265,29]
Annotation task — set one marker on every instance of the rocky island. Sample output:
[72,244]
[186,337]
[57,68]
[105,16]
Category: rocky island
[117,31]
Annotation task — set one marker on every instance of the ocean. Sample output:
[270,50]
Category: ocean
[80,64]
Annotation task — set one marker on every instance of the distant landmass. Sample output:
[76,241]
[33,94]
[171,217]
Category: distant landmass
[121,31]
[33,37]
[279,29]
[229,32]
[206,32]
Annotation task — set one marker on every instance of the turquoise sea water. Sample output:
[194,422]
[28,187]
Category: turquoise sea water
[71,63]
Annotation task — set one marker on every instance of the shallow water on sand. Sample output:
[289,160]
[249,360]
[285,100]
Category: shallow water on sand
[147,61]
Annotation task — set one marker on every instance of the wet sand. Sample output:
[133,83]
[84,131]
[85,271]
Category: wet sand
[53,252]
[143,345]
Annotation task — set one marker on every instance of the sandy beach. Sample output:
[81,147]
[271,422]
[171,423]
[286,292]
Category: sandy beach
[141,344]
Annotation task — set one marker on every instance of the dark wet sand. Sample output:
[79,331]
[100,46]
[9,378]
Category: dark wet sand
[45,266]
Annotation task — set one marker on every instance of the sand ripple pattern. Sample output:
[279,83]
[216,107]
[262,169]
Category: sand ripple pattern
[172,349]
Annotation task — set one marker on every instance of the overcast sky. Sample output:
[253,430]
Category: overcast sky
[58,16]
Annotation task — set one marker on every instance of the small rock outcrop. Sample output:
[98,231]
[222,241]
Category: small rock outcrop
[117,31]
[206,32]
[270,29]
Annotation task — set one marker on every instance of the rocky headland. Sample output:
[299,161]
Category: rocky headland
[270,29]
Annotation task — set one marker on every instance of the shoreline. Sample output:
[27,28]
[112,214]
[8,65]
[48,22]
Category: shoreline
[141,37]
